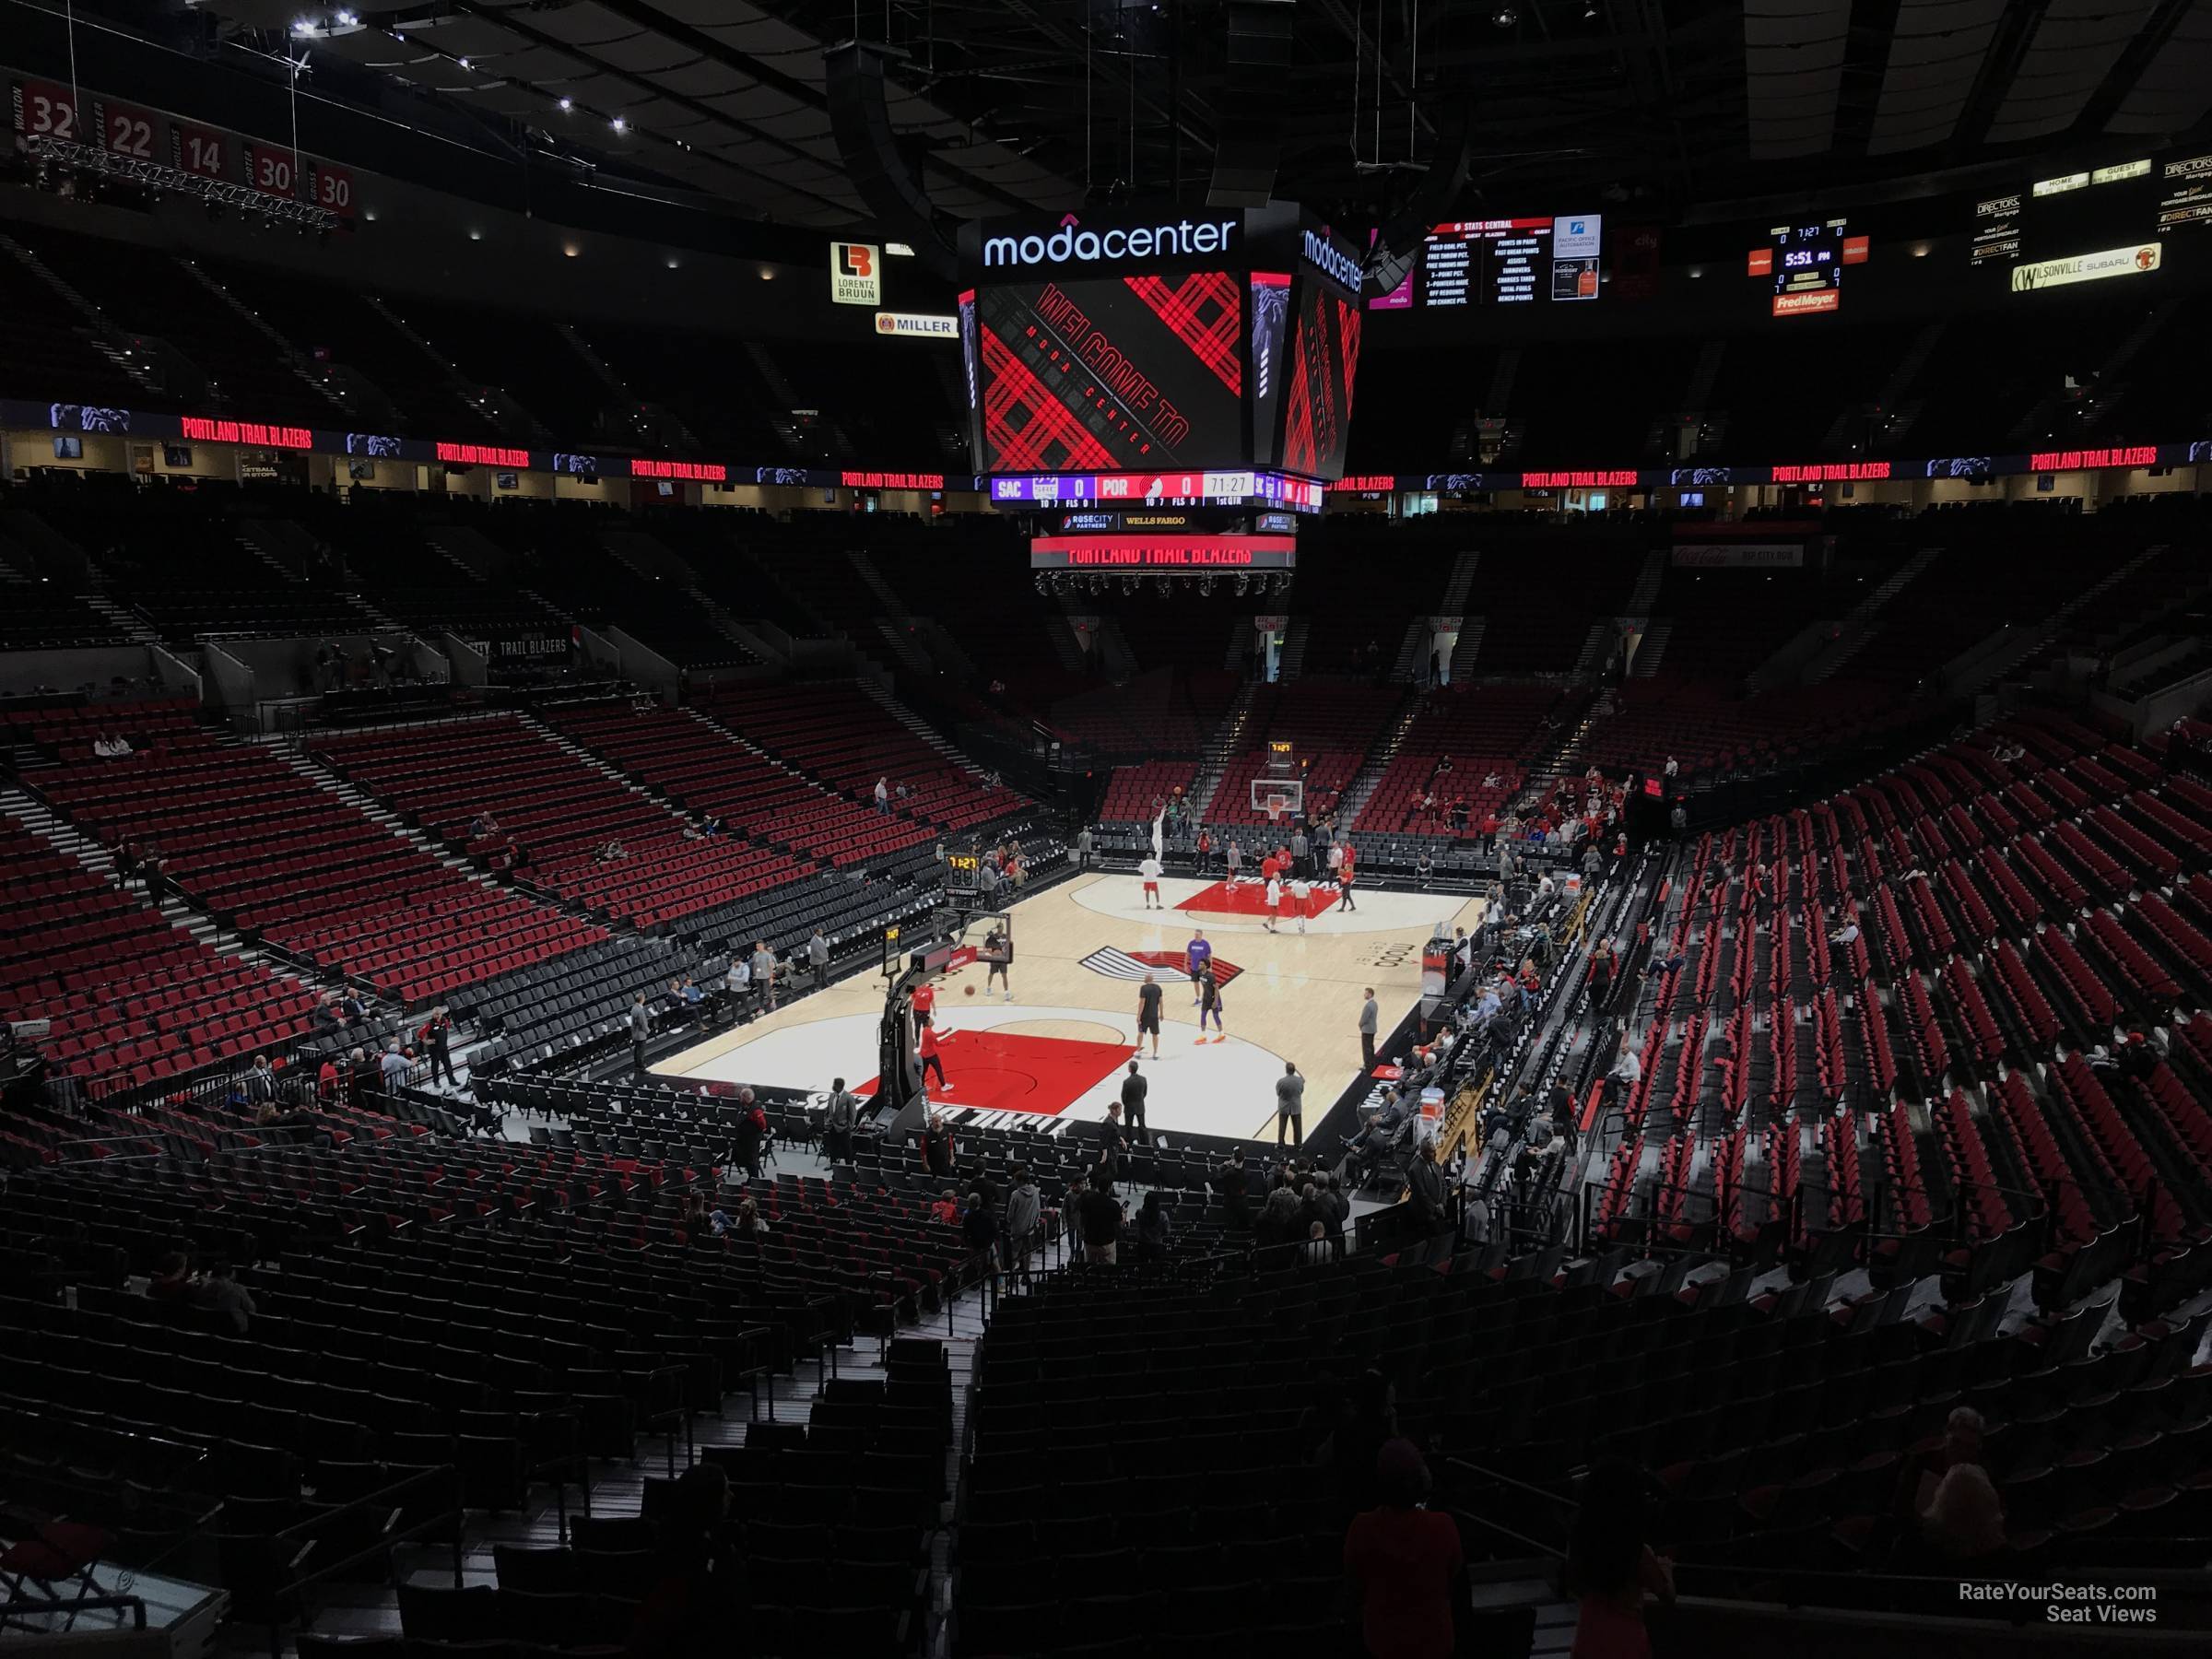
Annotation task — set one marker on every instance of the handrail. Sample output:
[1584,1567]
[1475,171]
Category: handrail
[84,1604]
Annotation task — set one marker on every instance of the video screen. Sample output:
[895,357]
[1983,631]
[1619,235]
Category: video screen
[1325,356]
[1503,261]
[1112,372]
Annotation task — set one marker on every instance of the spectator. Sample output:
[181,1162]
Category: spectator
[817,959]
[641,1028]
[764,970]
[221,1292]
[260,1085]
[1601,974]
[357,1073]
[172,1281]
[699,1599]
[326,1080]
[937,1146]
[437,1033]
[393,1066]
[1424,867]
[1025,1212]
[1289,1105]
[1301,852]
[1610,1569]
[837,1122]
[1085,841]
[1278,1216]
[746,1135]
[883,796]
[1317,1248]
[947,1208]
[1232,862]
[1848,934]
[1110,1142]
[1627,1071]
[1963,1518]
[979,1226]
[1235,1184]
[1370,1014]
[1404,1563]
[1344,878]
[1153,1234]
[1098,1219]
[1425,1187]
[1204,851]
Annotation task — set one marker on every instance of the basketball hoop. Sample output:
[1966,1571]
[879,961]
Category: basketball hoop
[1279,808]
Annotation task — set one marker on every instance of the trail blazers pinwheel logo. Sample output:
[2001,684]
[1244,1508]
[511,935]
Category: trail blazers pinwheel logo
[1135,964]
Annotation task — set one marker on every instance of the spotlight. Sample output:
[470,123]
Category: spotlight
[347,19]
[464,62]
[619,125]
[566,104]
[1505,16]
[1206,586]
[1588,11]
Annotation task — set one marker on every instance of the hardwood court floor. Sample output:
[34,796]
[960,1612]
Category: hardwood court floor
[1056,1048]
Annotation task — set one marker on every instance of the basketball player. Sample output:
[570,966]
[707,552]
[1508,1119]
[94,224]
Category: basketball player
[1344,883]
[1198,960]
[1148,1013]
[1149,870]
[1300,890]
[1291,883]
[996,953]
[1235,863]
[1209,1006]
[1275,899]
[924,1001]
[930,1061]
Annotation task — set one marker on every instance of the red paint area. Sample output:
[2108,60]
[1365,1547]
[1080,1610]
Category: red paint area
[1250,899]
[1005,1071]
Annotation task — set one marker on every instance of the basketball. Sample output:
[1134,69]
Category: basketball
[971,991]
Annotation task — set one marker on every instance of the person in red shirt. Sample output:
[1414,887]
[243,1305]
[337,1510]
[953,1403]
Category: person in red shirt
[1489,830]
[930,1061]
[1404,1562]
[1343,882]
[925,1001]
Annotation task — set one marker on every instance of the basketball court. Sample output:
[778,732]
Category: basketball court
[1056,1050]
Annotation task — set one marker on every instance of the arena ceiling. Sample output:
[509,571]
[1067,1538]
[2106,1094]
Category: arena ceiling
[1006,103]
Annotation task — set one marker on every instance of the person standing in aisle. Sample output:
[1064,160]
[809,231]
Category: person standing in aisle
[837,1122]
[641,1028]
[1084,842]
[817,959]
[1370,1017]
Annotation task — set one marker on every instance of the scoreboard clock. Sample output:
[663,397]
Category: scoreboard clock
[963,872]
